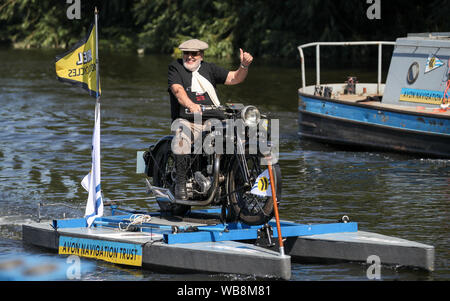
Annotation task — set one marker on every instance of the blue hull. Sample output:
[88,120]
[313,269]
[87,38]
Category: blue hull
[374,127]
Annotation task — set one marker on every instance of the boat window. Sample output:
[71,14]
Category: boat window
[413,73]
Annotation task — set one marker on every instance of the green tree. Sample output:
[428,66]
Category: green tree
[269,28]
[166,23]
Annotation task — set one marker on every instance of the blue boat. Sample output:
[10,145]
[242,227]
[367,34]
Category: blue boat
[408,114]
[200,242]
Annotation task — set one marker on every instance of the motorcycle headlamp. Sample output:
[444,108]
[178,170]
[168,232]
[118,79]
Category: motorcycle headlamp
[250,115]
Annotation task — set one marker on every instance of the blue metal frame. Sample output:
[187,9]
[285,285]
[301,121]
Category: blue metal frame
[69,223]
[238,231]
[211,233]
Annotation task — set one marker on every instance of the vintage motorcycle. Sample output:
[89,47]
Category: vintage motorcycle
[233,179]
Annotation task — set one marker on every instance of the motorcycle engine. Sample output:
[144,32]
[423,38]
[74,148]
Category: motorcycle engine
[203,182]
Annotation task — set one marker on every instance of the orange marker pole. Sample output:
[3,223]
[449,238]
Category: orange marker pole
[275,207]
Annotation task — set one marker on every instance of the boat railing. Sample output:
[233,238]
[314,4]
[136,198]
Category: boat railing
[318,44]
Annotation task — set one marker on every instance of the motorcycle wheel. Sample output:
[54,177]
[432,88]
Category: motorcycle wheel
[245,206]
[164,176]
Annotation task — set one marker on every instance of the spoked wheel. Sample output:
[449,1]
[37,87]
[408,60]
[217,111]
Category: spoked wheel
[250,208]
[164,176]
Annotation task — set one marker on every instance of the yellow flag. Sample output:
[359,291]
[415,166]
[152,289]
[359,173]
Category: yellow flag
[78,65]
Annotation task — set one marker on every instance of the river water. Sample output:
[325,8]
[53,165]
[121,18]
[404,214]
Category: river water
[45,141]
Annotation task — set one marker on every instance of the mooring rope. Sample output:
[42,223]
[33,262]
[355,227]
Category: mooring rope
[135,219]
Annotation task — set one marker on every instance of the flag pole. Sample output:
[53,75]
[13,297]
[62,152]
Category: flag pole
[275,206]
[97,71]
[83,52]
[96,168]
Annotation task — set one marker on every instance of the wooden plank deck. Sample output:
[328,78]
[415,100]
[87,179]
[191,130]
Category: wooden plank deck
[354,98]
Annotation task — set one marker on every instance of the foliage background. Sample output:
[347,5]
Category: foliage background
[266,28]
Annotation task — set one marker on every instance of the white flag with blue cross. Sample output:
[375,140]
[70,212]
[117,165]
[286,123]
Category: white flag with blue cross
[91,182]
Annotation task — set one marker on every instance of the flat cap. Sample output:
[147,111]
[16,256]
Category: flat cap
[193,45]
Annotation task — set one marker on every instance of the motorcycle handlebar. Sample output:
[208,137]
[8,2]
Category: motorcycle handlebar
[205,108]
[224,109]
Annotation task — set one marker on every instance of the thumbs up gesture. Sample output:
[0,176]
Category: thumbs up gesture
[246,58]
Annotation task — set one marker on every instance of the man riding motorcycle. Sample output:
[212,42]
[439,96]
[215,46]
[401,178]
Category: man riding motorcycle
[191,84]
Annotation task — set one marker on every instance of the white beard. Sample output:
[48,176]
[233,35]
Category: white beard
[192,67]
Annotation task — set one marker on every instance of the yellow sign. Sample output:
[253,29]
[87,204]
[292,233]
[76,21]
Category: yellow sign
[421,96]
[432,63]
[111,251]
[78,65]
[263,184]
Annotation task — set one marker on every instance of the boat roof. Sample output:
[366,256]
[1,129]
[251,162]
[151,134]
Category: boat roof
[431,39]
[430,35]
